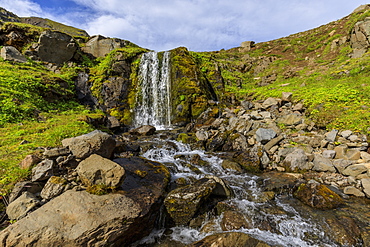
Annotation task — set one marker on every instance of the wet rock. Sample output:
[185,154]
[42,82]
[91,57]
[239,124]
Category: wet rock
[96,142]
[297,161]
[98,170]
[318,196]
[265,135]
[351,190]
[344,230]
[233,220]
[43,171]
[145,130]
[77,218]
[184,202]
[280,182]
[229,239]
[20,207]
[235,142]
[322,164]
[230,165]
[53,187]
[10,53]
[29,161]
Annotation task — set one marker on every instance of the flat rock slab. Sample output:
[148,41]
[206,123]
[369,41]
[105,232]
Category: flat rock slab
[77,218]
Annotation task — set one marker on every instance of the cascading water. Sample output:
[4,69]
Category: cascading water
[153,101]
[292,228]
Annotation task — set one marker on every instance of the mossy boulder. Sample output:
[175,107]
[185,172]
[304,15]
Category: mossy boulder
[318,196]
[190,91]
[183,203]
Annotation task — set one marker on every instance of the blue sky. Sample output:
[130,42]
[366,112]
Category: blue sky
[200,25]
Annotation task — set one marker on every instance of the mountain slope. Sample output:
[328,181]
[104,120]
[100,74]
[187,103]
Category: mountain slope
[323,67]
[7,16]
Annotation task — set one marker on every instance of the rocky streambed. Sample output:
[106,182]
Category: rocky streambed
[256,175]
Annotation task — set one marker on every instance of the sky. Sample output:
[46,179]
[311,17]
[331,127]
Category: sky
[199,25]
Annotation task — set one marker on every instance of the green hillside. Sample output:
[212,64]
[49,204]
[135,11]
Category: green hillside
[333,86]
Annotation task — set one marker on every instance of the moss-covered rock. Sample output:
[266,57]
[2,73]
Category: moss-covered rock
[318,196]
[190,91]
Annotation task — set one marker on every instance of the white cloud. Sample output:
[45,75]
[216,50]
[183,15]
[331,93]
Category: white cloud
[21,7]
[196,24]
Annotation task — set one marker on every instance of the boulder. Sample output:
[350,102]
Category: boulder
[145,130]
[100,46]
[229,239]
[20,207]
[322,164]
[355,170]
[183,203]
[53,187]
[317,196]
[43,171]
[55,47]
[77,218]
[360,38]
[29,161]
[265,135]
[297,161]
[351,190]
[10,53]
[96,142]
[247,45]
[233,220]
[280,182]
[98,170]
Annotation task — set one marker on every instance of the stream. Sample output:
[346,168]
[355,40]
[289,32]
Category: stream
[290,225]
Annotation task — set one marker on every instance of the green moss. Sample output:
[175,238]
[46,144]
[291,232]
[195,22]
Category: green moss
[57,180]
[98,189]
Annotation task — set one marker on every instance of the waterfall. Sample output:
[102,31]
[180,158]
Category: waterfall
[154,100]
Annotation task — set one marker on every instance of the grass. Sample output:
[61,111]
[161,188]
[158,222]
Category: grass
[48,133]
